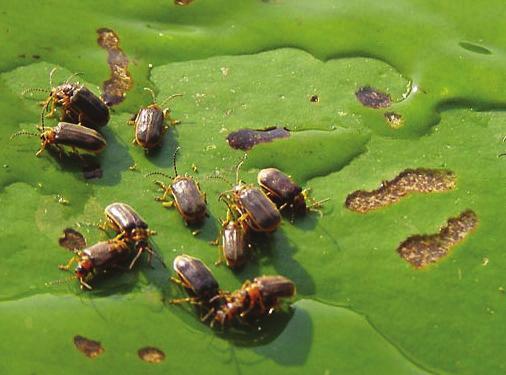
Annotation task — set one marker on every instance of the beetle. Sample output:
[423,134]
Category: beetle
[67,134]
[197,279]
[234,243]
[285,193]
[150,122]
[189,200]
[130,226]
[78,103]
[255,209]
[98,258]
[255,299]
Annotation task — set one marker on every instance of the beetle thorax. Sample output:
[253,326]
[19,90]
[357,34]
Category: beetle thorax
[64,92]
[48,136]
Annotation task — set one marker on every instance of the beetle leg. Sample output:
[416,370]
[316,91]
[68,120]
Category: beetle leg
[166,116]
[191,300]
[176,281]
[43,146]
[66,267]
[168,204]
[132,263]
[84,284]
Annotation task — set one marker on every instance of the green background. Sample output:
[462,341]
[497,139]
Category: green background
[360,308]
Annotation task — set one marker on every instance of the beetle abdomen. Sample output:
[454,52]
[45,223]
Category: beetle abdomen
[125,217]
[93,111]
[149,127]
[79,136]
[281,187]
[189,200]
[262,214]
[234,245]
[196,276]
[104,254]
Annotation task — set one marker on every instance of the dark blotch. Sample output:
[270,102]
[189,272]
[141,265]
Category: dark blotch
[314,99]
[36,57]
[475,48]
[151,354]
[372,98]
[89,348]
[120,82]
[182,2]
[91,167]
[72,239]
[246,139]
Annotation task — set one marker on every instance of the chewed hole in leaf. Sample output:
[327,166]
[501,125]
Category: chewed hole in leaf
[89,348]
[422,250]
[151,354]
[115,88]
[409,181]
[246,139]
[373,98]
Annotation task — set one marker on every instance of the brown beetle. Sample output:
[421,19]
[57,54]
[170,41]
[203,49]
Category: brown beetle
[150,122]
[254,300]
[97,259]
[78,103]
[66,134]
[233,242]
[130,226]
[189,200]
[255,209]
[285,193]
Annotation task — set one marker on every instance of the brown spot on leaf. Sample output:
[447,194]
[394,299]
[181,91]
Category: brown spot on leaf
[395,120]
[151,354]
[120,82]
[182,2]
[314,99]
[422,250]
[407,182]
[372,98]
[72,239]
[246,139]
[88,347]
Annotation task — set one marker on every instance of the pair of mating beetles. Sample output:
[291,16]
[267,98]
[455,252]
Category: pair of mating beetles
[254,300]
[83,113]
[132,232]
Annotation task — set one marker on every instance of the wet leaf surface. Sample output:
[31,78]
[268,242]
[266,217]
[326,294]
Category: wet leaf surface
[343,263]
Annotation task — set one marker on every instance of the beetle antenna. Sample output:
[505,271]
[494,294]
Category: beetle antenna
[42,113]
[239,165]
[23,132]
[157,173]
[174,160]
[166,100]
[72,76]
[60,281]
[152,94]
[34,90]
[51,76]
[219,177]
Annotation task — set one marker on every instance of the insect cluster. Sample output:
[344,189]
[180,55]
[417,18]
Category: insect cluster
[250,210]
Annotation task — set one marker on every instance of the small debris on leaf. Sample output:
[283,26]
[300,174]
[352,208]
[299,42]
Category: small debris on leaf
[72,239]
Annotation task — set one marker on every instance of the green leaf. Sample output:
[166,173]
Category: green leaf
[360,307]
